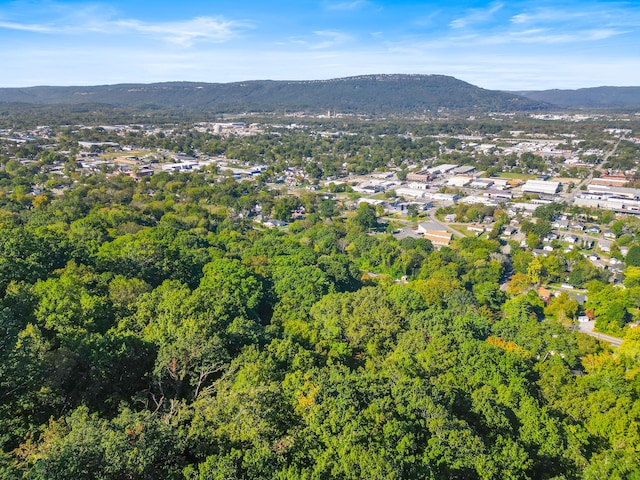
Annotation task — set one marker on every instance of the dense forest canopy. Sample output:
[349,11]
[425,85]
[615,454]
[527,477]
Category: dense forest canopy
[151,329]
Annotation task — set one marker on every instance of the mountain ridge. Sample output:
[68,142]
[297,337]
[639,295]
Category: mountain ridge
[604,97]
[374,93]
[369,94]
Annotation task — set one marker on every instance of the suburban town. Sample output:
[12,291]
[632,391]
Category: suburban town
[420,197]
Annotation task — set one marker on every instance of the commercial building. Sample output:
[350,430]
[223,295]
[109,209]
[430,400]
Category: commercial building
[621,192]
[611,180]
[481,183]
[421,176]
[442,169]
[540,186]
[445,197]
[608,202]
[471,199]
[501,183]
[410,192]
[440,238]
[463,170]
[459,181]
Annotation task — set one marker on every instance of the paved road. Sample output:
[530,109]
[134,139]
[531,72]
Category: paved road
[587,327]
[432,216]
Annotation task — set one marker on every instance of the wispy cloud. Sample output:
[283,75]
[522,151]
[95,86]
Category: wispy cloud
[497,43]
[346,6]
[329,39]
[502,24]
[539,36]
[532,36]
[26,27]
[320,40]
[186,32]
[477,15]
[181,32]
[428,20]
[545,16]
[582,14]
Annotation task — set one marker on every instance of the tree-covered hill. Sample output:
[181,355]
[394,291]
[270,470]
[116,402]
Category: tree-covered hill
[153,327]
[370,94]
[149,331]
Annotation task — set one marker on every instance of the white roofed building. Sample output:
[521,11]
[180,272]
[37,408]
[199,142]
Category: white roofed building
[410,192]
[459,181]
[541,186]
[441,169]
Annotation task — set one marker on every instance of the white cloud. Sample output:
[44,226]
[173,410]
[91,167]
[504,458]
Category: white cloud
[329,39]
[546,16]
[185,32]
[26,27]
[321,39]
[62,21]
[596,14]
[546,36]
[477,15]
[509,39]
[502,46]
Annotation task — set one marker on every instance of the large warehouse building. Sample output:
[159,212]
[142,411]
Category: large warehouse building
[540,186]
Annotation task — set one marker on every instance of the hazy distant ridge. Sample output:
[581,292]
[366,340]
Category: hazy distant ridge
[597,97]
[361,94]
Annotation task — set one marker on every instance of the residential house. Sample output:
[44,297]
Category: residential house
[578,297]
[478,229]
[544,294]
[271,223]
[587,243]
[561,224]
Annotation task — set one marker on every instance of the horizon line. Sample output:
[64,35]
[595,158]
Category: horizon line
[319,80]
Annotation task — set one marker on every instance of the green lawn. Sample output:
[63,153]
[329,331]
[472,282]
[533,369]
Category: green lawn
[462,228]
[518,176]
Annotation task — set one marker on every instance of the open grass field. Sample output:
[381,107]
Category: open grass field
[462,228]
[566,180]
[517,176]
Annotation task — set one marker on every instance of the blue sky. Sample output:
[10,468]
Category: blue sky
[513,45]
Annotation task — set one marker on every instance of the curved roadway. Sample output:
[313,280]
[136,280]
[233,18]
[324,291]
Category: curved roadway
[587,327]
